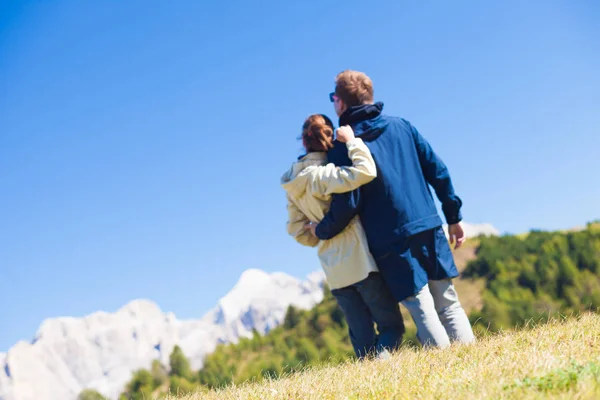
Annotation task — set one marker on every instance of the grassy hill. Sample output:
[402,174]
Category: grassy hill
[560,359]
[506,282]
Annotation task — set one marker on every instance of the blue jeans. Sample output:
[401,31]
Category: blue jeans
[364,303]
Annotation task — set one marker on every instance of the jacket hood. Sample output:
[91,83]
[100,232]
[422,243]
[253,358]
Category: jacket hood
[296,180]
[366,120]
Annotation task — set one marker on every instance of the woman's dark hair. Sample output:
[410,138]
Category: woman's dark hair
[317,133]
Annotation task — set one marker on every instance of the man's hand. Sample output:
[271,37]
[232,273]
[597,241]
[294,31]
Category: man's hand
[457,235]
[344,134]
[312,227]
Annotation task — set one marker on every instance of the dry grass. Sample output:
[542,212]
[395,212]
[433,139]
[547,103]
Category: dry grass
[470,291]
[556,360]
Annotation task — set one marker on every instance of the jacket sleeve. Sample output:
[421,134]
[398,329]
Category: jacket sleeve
[437,175]
[295,226]
[330,178]
[344,207]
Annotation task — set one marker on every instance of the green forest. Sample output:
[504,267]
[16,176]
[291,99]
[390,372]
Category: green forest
[527,277]
[538,276]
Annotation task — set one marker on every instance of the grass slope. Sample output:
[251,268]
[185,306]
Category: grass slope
[560,359]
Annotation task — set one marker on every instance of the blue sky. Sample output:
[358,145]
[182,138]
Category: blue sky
[142,142]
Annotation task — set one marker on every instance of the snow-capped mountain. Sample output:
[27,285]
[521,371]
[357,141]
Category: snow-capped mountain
[101,350]
[474,230]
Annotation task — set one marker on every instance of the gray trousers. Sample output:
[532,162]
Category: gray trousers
[438,315]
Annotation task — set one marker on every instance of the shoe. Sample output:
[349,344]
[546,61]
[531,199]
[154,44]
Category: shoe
[383,355]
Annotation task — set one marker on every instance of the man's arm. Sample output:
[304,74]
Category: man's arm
[437,175]
[344,207]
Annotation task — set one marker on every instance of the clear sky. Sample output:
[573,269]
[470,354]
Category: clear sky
[142,142]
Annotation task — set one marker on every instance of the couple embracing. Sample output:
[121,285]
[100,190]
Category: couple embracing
[363,199]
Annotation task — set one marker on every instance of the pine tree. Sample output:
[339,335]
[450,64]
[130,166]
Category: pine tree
[90,394]
[292,318]
[179,364]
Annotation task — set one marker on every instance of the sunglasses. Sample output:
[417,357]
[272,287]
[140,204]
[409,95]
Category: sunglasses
[332,97]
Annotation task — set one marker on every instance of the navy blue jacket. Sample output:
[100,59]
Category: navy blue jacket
[398,203]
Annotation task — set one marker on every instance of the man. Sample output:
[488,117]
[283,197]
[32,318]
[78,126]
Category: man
[397,210]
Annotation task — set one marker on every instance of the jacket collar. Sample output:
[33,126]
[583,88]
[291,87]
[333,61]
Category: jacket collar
[313,156]
[356,114]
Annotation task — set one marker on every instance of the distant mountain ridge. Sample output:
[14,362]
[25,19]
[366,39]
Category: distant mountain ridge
[101,350]
[474,230]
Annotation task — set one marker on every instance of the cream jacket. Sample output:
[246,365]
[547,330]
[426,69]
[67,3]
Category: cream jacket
[309,184]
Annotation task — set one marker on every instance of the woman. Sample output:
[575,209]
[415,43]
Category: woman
[346,259]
